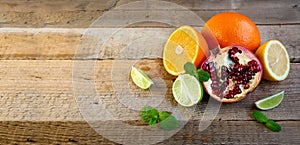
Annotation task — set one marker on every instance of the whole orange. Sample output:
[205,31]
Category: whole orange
[231,28]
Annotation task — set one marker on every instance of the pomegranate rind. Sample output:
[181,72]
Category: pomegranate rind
[254,83]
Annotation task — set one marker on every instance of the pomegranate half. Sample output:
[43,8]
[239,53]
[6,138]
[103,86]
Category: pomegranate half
[234,72]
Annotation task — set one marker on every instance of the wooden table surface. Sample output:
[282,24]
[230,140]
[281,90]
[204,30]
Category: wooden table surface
[39,46]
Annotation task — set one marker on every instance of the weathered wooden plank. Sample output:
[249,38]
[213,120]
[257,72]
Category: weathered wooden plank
[80,14]
[84,19]
[42,90]
[222,4]
[100,5]
[48,43]
[219,132]
[50,6]
[45,13]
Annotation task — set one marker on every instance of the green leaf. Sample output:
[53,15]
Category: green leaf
[203,75]
[272,125]
[163,115]
[191,69]
[260,117]
[152,122]
[169,123]
[149,114]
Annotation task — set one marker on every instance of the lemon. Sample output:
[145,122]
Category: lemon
[187,90]
[275,60]
[140,78]
[270,102]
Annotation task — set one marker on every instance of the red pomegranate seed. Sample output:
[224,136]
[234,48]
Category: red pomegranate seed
[235,49]
[214,86]
[249,77]
[205,67]
[211,65]
[236,66]
[220,94]
[239,91]
[239,81]
[215,91]
[247,86]
[235,59]
[224,72]
[215,82]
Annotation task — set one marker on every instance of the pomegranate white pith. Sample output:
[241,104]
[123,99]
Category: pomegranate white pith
[235,71]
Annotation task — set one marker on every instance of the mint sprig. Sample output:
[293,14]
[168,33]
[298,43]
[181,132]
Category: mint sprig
[262,118]
[151,116]
[199,74]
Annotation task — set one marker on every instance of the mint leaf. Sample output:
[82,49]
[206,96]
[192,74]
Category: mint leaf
[150,115]
[203,75]
[191,69]
[260,117]
[153,121]
[169,123]
[272,125]
[163,115]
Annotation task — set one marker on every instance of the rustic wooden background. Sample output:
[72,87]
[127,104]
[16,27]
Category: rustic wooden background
[38,41]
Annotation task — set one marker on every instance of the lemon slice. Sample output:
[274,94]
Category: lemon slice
[187,90]
[140,78]
[275,60]
[270,102]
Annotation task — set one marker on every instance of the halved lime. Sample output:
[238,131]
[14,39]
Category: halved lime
[187,90]
[270,102]
[140,78]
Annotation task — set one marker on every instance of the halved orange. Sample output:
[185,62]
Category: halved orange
[184,45]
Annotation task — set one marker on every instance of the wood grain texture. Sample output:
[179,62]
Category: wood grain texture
[55,43]
[80,14]
[41,70]
[42,90]
[219,132]
[225,4]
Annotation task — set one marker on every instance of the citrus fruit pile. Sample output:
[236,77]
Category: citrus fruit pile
[234,68]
